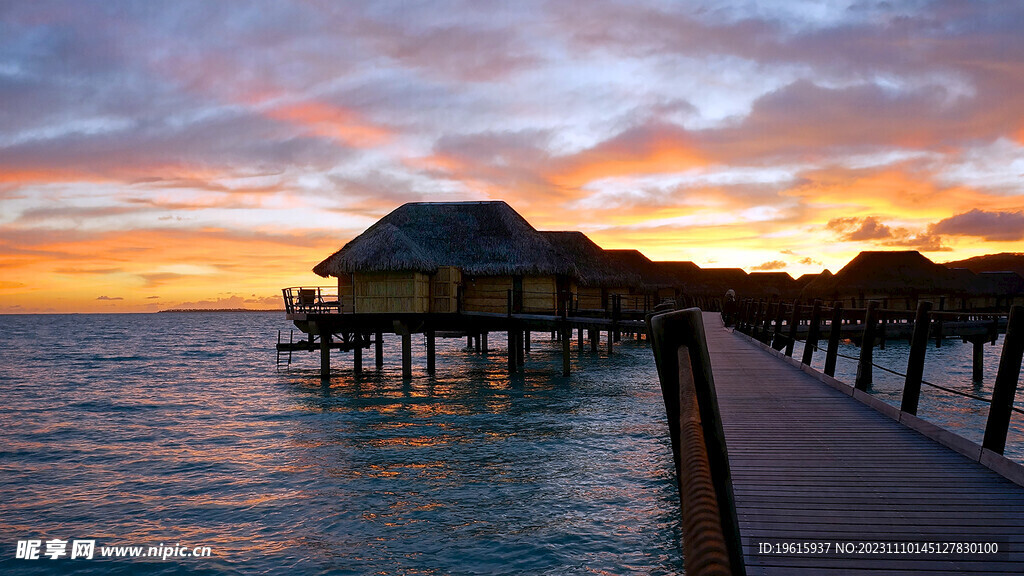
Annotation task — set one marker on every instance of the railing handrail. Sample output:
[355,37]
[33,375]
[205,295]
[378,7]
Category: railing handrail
[711,536]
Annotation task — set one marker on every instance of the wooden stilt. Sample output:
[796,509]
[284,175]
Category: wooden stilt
[479,345]
[512,352]
[483,342]
[378,346]
[526,341]
[565,351]
[579,339]
[611,342]
[357,355]
[406,353]
[979,360]
[431,364]
[595,337]
[325,351]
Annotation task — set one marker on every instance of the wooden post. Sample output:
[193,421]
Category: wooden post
[520,353]
[813,331]
[1006,382]
[755,321]
[565,350]
[431,351]
[915,363]
[777,342]
[379,349]
[611,342]
[325,350]
[867,345]
[579,339]
[938,331]
[483,342]
[406,353]
[834,334]
[477,345]
[595,337]
[357,355]
[883,318]
[978,373]
[794,321]
[526,341]
[512,349]
[469,341]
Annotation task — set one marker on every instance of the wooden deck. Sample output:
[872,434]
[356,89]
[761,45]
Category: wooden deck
[812,465]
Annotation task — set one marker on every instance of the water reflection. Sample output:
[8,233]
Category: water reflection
[182,431]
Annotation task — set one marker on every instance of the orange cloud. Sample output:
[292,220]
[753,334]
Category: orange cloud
[634,153]
[332,122]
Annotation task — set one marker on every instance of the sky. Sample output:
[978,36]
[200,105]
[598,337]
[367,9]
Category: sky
[206,154]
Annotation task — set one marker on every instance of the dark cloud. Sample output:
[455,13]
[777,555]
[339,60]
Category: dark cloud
[859,229]
[991,226]
[870,229]
[109,298]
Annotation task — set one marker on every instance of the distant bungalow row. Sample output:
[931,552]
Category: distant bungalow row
[443,258]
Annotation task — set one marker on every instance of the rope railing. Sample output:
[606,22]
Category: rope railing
[754,319]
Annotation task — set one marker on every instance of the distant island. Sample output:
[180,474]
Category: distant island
[219,310]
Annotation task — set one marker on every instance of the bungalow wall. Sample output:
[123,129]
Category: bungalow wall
[444,290]
[486,293]
[391,292]
[345,292]
[533,294]
[540,294]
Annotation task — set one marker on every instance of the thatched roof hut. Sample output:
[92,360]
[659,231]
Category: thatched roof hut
[651,275]
[890,273]
[717,280]
[480,238]
[772,285]
[594,267]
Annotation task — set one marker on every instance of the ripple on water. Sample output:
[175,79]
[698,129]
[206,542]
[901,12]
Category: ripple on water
[132,433]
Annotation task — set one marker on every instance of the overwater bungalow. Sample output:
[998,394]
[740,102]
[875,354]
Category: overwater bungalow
[772,286]
[597,275]
[655,284]
[898,279]
[446,257]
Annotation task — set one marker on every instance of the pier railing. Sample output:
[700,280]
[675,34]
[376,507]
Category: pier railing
[780,325]
[711,537]
[311,300]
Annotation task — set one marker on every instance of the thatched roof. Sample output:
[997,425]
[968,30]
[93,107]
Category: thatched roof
[772,284]
[634,262]
[593,265]
[485,238]
[897,273]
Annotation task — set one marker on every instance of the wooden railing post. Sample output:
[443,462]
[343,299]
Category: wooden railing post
[813,332]
[867,345]
[794,321]
[915,363]
[1006,382]
[834,335]
[711,535]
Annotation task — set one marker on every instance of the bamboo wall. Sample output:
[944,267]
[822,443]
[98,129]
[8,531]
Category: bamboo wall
[391,292]
[345,292]
[444,290]
[486,293]
[540,294]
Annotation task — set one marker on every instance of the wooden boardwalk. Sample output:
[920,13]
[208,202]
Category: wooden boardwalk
[812,465]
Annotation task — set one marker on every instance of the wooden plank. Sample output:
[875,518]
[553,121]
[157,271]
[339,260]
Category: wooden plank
[810,463]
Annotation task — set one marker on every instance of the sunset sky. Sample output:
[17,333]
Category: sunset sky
[206,154]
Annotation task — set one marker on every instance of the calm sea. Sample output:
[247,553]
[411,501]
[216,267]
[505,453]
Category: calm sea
[178,429]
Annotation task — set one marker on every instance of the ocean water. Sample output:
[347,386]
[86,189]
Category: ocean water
[178,430]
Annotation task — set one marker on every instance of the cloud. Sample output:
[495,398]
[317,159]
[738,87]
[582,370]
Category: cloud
[859,229]
[770,265]
[870,229]
[109,298]
[990,226]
